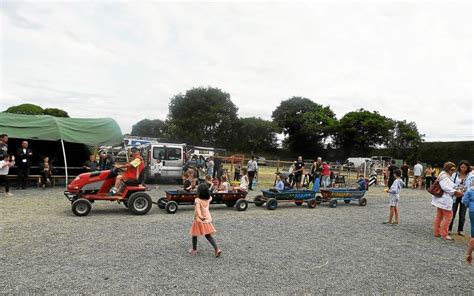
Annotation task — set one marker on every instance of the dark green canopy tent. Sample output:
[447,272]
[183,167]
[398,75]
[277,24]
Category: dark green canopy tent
[88,131]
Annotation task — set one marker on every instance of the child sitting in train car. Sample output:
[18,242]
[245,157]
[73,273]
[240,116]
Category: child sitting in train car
[224,185]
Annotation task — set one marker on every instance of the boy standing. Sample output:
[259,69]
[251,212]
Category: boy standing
[394,197]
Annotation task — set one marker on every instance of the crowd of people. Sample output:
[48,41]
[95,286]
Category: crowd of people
[455,181]
[23,158]
[456,184]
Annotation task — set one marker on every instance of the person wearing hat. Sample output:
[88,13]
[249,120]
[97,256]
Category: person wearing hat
[106,162]
[133,169]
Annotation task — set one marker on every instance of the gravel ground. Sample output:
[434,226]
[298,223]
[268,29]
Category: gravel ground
[45,249]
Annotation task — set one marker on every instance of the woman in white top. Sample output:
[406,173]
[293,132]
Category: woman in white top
[459,179]
[444,204]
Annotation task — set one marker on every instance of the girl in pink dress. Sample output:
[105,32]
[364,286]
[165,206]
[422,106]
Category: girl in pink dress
[202,223]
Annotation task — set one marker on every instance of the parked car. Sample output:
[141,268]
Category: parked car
[261,160]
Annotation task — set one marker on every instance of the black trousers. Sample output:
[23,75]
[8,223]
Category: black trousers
[462,214]
[405,180]
[428,182]
[251,176]
[22,175]
[4,180]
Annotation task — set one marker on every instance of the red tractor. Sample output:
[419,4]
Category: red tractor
[89,187]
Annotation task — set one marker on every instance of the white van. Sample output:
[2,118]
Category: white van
[355,161]
[172,157]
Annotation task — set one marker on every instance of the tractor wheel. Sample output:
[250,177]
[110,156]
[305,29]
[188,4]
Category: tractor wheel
[171,207]
[139,203]
[363,202]
[298,202]
[333,203]
[161,203]
[241,204]
[319,199]
[230,204]
[272,204]
[258,200]
[81,207]
[312,203]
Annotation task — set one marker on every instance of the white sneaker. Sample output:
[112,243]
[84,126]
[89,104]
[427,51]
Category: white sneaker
[8,194]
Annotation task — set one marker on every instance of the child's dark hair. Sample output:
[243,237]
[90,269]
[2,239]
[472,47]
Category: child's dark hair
[203,191]
[397,173]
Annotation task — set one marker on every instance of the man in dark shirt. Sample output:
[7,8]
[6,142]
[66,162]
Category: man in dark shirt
[405,169]
[391,176]
[91,165]
[298,172]
[217,164]
[106,161]
[24,155]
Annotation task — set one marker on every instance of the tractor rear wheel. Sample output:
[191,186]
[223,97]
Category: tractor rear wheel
[139,203]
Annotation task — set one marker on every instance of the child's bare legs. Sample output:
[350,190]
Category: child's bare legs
[395,210]
[470,248]
[391,213]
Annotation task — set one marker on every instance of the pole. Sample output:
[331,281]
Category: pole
[65,161]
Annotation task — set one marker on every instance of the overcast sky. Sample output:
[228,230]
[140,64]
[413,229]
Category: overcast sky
[126,60]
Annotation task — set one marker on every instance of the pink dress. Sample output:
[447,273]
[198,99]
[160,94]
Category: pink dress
[202,227]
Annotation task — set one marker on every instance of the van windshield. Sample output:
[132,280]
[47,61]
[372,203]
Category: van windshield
[167,153]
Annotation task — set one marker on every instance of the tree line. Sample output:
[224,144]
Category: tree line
[207,116]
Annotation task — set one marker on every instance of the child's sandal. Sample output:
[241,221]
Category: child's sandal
[218,253]
[387,222]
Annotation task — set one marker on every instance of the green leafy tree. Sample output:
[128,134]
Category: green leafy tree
[27,109]
[55,112]
[305,123]
[360,131]
[31,109]
[155,128]
[203,116]
[405,140]
[256,135]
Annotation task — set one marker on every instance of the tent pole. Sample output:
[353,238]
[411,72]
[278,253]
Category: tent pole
[65,161]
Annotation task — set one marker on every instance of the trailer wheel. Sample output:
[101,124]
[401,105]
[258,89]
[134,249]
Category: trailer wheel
[230,204]
[258,200]
[298,202]
[241,205]
[319,200]
[333,203]
[312,203]
[272,204]
[347,201]
[161,203]
[171,207]
[139,203]
[81,207]
[363,202]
